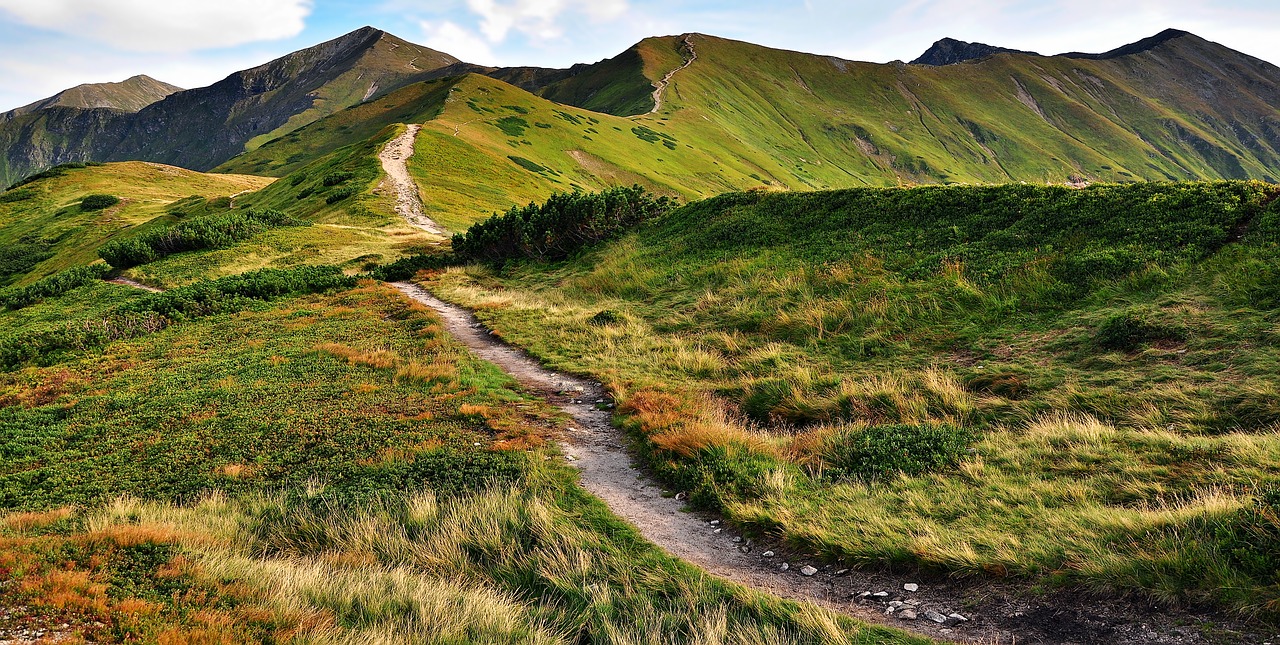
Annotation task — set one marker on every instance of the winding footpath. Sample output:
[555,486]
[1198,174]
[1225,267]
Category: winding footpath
[995,612]
[660,87]
[596,448]
[395,162]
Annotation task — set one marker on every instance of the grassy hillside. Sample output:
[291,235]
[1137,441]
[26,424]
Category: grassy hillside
[1061,385]
[487,146]
[743,116]
[330,468]
[44,229]
[351,215]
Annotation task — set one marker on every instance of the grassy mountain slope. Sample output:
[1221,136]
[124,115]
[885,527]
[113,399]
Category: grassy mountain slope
[743,115]
[129,95]
[203,127]
[1178,107]
[1037,382]
[43,220]
[352,220]
[487,145]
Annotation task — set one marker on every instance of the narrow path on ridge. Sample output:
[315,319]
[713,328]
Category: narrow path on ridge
[661,87]
[395,162]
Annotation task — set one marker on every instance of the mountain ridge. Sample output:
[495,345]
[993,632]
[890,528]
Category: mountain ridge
[1122,115]
[949,51]
[129,95]
[200,128]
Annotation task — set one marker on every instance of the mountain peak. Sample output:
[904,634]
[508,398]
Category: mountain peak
[950,51]
[1146,44]
[129,95]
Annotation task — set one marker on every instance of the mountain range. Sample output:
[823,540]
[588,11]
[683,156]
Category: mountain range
[732,115]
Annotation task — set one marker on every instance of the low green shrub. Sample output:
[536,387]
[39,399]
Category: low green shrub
[1129,331]
[19,195]
[340,194]
[337,177]
[18,259]
[560,226]
[206,232]
[54,285]
[153,312]
[407,267]
[880,451]
[98,202]
[231,293]
[605,317]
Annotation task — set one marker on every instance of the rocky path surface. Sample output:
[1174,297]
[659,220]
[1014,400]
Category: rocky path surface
[395,160]
[965,612]
[660,88]
[126,282]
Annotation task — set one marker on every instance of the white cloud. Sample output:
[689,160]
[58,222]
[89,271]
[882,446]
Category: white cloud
[165,25]
[457,41]
[539,19]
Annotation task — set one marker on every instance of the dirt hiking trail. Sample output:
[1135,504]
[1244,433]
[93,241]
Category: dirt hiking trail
[660,87]
[126,282]
[965,612]
[395,162]
[989,613]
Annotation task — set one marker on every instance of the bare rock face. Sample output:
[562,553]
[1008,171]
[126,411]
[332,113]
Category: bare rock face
[950,51]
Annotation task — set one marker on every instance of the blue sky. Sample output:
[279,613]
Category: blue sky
[49,45]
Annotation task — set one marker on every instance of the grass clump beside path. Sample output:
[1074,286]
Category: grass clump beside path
[1036,382]
[321,467]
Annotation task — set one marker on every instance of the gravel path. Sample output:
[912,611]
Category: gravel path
[126,282]
[987,612]
[661,86]
[395,160]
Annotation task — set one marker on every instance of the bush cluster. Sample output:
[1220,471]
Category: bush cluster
[339,194]
[54,285]
[1099,233]
[17,259]
[886,450]
[207,232]
[233,293]
[20,195]
[156,311]
[556,228]
[98,202]
[407,267]
[1129,331]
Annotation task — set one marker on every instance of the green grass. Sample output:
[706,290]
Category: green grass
[331,468]
[838,328]
[47,231]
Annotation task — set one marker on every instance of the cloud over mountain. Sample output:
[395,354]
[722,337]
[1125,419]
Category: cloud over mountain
[175,26]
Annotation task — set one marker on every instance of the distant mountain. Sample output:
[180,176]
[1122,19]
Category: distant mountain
[736,115]
[1146,44]
[1170,107]
[203,127]
[129,95]
[950,51]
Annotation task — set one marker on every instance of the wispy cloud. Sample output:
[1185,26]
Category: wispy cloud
[173,26]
